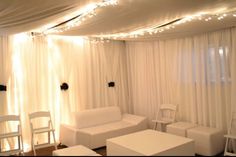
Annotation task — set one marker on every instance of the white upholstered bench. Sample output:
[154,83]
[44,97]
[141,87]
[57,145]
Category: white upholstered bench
[179,128]
[78,150]
[208,141]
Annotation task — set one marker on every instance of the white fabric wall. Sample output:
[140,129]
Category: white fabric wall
[190,72]
[35,68]
[187,71]
[5,66]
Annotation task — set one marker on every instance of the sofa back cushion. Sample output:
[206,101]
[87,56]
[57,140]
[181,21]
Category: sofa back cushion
[98,116]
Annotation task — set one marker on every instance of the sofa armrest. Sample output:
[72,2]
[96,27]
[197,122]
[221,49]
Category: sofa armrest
[71,136]
[134,119]
[68,135]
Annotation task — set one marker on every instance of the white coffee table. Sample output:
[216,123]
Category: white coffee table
[77,150]
[150,143]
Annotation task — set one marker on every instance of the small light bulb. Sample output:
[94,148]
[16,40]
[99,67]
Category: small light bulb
[200,18]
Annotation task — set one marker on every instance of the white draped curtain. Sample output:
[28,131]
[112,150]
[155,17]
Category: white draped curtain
[197,73]
[5,72]
[33,68]
[4,68]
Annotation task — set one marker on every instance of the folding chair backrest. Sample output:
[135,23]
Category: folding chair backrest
[6,118]
[11,118]
[41,117]
[167,112]
[39,114]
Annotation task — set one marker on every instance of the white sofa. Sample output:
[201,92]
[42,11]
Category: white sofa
[92,127]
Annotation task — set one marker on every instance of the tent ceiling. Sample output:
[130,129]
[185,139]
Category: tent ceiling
[23,15]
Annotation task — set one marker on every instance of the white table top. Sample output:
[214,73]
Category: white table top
[77,150]
[149,142]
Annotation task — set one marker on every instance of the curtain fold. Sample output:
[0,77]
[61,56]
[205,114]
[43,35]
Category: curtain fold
[4,57]
[5,73]
[233,71]
[197,73]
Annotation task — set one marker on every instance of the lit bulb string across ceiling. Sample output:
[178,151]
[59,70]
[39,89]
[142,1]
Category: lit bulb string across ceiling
[88,12]
[96,39]
[166,26]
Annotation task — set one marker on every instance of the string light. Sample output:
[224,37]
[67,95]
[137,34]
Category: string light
[171,25]
[88,12]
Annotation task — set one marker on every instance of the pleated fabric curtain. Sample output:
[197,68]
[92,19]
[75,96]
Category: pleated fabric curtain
[197,73]
[5,79]
[34,68]
[233,71]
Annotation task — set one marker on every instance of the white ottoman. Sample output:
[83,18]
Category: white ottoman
[179,128]
[78,150]
[208,141]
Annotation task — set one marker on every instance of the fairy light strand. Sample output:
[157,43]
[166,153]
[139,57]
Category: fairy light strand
[171,25]
[88,12]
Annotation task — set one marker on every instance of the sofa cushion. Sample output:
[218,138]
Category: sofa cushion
[106,127]
[93,117]
[96,136]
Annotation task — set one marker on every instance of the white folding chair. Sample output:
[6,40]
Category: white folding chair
[42,129]
[13,134]
[230,145]
[165,115]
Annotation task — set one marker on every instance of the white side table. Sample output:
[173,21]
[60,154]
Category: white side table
[208,141]
[179,128]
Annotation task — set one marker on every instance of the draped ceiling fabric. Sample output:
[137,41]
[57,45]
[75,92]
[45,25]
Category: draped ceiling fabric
[129,15]
[24,15]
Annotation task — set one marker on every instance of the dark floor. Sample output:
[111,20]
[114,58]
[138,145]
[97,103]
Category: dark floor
[48,151]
